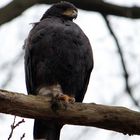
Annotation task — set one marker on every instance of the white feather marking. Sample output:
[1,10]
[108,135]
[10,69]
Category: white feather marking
[52,90]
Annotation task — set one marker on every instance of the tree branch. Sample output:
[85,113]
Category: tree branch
[16,7]
[125,71]
[119,119]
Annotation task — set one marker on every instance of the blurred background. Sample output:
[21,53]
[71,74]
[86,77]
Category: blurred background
[113,28]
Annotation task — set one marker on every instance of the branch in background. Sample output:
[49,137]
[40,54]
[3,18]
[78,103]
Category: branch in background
[10,66]
[16,7]
[23,136]
[14,62]
[119,119]
[12,128]
[14,125]
[126,74]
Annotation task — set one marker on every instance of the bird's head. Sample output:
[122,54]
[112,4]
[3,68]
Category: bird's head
[63,9]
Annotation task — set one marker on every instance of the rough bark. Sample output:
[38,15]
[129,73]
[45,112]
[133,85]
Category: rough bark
[16,7]
[118,119]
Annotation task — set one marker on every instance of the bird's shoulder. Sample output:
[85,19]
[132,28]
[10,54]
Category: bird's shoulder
[51,26]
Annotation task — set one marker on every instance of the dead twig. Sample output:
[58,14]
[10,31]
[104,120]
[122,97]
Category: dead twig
[13,126]
[23,136]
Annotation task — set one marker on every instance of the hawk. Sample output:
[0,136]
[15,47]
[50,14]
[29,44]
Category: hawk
[58,62]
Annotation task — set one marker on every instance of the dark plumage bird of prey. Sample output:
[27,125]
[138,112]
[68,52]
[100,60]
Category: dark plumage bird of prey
[58,62]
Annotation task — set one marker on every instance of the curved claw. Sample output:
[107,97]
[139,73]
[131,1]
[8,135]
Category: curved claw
[66,98]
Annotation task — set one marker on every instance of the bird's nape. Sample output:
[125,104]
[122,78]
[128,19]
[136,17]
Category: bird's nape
[64,10]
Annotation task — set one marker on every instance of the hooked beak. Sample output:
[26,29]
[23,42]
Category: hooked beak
[70,13]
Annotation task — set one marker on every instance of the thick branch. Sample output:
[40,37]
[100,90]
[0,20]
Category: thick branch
[119,119]
[16,7]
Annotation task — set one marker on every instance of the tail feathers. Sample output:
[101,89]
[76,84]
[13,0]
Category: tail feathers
[46,130]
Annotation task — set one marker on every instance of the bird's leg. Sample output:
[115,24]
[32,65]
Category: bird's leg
[67,99]
[56,92]
[59,100]
[62,101]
